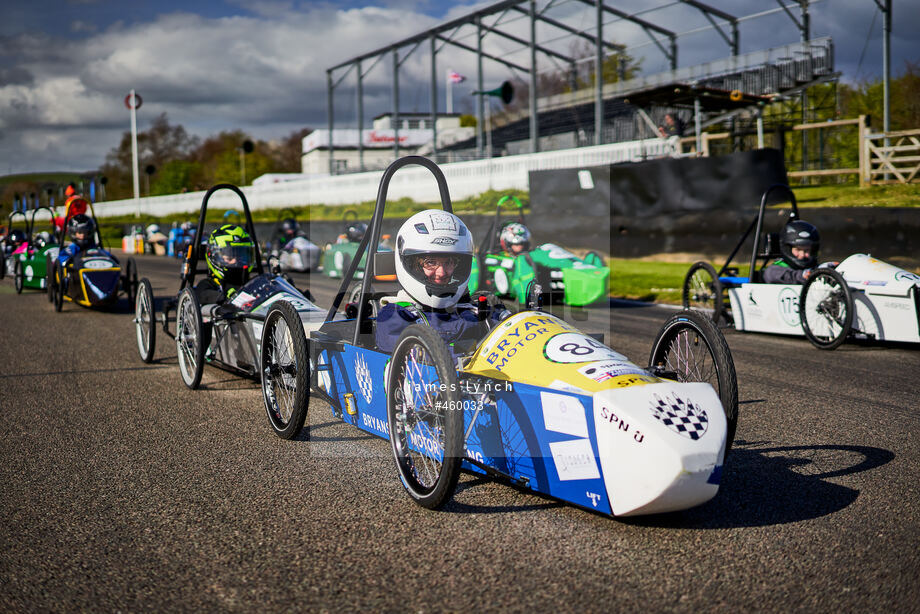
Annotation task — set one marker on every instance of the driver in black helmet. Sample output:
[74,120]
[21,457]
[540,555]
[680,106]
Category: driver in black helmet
[799,246]
[290,230]
[82,231]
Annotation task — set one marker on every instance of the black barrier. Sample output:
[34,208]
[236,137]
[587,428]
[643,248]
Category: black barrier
[656,187]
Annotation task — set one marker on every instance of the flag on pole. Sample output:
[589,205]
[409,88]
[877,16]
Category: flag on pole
[455,77]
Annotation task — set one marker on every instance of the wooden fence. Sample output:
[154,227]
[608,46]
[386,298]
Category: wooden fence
[892,153]
[884,157]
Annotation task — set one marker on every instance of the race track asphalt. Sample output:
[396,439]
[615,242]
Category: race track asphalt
[124,491]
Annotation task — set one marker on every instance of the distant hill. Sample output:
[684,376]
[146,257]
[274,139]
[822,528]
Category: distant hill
[37,183]
[40,178]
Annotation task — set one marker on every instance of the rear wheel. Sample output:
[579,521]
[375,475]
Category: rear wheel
[703,291]
[354,296]
[425,416]
[826,309]
[49,267]
[690,346]
[17,275]
[57,285]
[129,280]
[285,368]
[145,321]
[189,338]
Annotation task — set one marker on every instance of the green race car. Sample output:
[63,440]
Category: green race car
[507,266]
[337,256]
[31,265]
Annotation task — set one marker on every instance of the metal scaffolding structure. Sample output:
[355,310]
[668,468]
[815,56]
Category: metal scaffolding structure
[496,21]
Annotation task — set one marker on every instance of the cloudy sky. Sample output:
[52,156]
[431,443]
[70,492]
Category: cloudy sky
[212,65]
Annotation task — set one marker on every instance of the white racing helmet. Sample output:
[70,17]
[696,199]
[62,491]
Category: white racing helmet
[433,233]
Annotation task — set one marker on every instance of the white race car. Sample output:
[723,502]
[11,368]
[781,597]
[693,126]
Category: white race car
[861,297]
[291,245]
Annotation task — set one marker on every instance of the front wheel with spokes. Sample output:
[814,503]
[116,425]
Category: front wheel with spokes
[189,338]
[826,309]
[285,368]
[145,321]
[691,347]
[702,290]
[425,416]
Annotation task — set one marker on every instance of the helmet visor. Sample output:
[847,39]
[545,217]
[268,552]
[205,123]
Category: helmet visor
[439,270]
[232,256]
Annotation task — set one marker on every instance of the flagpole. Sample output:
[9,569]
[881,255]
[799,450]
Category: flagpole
[450,98]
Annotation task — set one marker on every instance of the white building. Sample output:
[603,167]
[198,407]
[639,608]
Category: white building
[377,143]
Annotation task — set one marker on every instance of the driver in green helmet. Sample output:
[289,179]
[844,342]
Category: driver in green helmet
[230,255]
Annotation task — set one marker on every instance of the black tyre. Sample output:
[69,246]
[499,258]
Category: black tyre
[189,338]
[129,280]
[18,275]
[57,285]
[49,266]
[354,295]
[425,416]
[285,367]
[690,346]
[145,321]
[2,263]
[826,309]
[703,291]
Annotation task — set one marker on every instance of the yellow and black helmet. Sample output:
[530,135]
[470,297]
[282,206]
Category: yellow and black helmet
[230,254]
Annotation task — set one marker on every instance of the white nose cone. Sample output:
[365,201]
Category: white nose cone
[661,446]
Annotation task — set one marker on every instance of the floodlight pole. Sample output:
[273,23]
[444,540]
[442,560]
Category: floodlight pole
[886,69]
[137,184]
[480,115]
[599,75]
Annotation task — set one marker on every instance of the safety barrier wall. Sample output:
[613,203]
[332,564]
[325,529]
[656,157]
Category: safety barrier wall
[464,179]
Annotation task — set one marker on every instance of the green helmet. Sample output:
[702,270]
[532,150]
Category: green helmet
[230,255]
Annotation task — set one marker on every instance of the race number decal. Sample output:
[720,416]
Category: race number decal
[576,347]
[242,298]
[788,304]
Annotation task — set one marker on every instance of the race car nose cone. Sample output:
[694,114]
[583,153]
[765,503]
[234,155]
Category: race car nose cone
[660,446]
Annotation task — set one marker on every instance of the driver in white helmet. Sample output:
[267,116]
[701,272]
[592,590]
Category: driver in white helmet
[434,256]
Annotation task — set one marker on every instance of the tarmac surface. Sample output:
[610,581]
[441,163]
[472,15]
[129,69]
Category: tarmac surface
[122,490]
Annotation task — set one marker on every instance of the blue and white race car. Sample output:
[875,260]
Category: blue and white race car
[535,402]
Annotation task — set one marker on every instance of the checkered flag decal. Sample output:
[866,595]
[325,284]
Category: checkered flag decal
[363,375]
[681,416]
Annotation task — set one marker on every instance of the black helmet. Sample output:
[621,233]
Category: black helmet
[17,236]
[356,231]
[81,229]
[289,227]
[799,233]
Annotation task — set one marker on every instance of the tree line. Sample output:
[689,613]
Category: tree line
[171,161]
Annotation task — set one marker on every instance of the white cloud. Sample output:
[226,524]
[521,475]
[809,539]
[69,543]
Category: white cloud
[61,99]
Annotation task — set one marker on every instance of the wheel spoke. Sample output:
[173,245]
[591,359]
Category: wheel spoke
[421,428]
[282,371]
